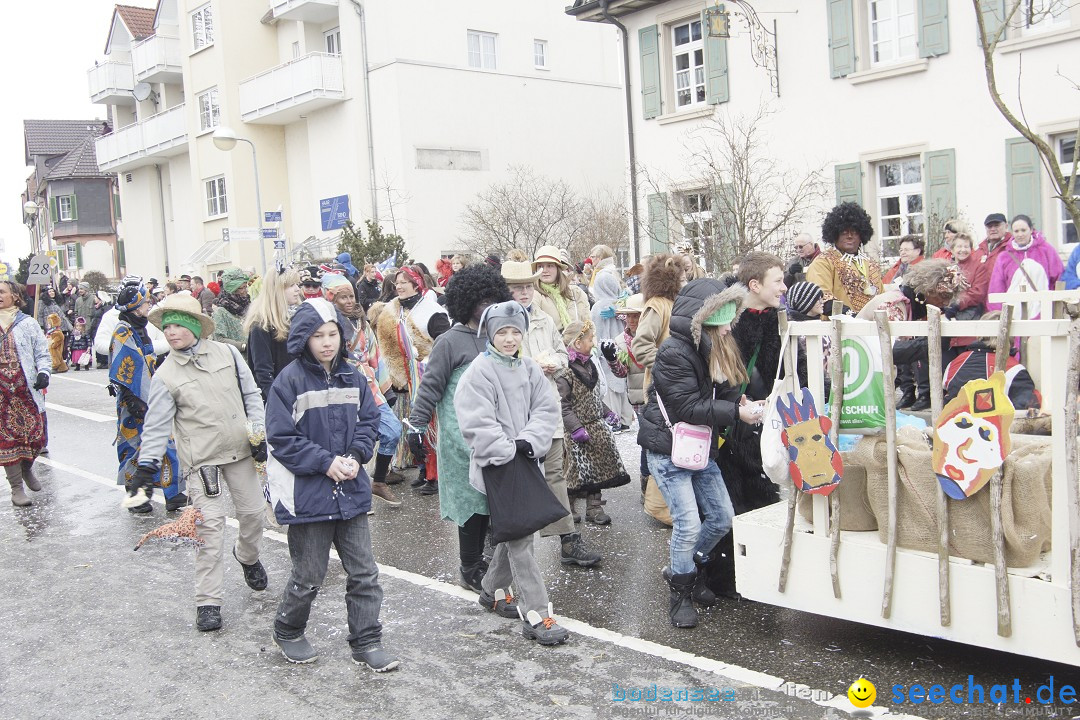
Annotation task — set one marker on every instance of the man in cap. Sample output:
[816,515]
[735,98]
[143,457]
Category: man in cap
[185,283]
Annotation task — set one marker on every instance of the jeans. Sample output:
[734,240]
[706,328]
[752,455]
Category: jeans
[309,549]
[389,430]
[685,491]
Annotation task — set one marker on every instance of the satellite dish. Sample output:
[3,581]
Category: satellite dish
[142,91]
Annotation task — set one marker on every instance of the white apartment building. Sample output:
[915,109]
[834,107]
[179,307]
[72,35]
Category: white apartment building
[374,109]
[889,96]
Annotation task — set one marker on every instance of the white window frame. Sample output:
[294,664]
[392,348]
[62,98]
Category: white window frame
[888,31]
[72,255]
[209,109]
[64,205]
[217,200]
[479,56]
[903,192]
[697,214]
[540,54]
[295,49]
[1065,220]
[694,72]
[202,27]
[332,41]
[1048,15]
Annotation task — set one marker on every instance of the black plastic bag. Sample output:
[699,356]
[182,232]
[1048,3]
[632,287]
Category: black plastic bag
[519,499]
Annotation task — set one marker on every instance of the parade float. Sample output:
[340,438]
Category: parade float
[965,529]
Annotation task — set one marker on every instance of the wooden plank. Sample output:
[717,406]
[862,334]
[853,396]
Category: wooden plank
[1001,579]
[933,339]
[1072,382]
[888,377]
[836,373]
[1001,356]
[793,498]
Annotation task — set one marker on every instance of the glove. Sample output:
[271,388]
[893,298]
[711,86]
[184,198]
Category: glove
[613,419]
[135,407]
[950,312]
[581,435]
[143,478]
[391,398]
[524,448]
[607,349]
[42,381]
[608,312]
[416,447]
[258,452]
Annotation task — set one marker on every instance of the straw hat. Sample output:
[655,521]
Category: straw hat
[634,304]
[549,254]
[519,272]
[185,303]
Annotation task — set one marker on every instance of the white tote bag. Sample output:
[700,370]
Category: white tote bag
[774,455]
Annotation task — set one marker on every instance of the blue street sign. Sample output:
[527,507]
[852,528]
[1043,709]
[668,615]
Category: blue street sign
[279,244]
[272,216]
[269,233]
[334,211]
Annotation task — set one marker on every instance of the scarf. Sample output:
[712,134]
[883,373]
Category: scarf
[553,292]
[235,304]
[138,326]
[511,361]
[7,317]
[859,275]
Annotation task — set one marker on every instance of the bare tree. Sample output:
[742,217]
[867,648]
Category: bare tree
[603,221]
[992,30]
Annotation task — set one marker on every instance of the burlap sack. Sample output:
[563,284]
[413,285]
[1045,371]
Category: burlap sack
[1025,501]
[855,511]
[655,505]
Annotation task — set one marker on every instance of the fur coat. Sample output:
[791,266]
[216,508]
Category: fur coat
[386,331]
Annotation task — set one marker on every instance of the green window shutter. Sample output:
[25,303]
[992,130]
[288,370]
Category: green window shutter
[1023,179]
[61,257]
[849,183]
[933,28]
[52,209]
[660,232]
[649,47]
[841,38]
[120,255]
[78,255]
[116,206]
[74,209]
[939,175]
[717,89]
[993,13]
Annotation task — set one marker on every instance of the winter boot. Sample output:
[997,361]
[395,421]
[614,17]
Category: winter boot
[254,574]
[297,651]
[543,630]
[702,595]
[682,612]
[375,658]
[594,510]
[574,552]
[573,511]
[32,483]
[15,480]
[208,618]
[472,576]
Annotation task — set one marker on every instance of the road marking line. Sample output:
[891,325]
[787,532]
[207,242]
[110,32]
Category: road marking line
[78,380]
[85,414]
[738,673]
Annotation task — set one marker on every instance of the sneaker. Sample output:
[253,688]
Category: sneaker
[297,651]
[501,603]
[382,491]
[176,502]
[254,574]
[143,510]
[375,658]
[394,478]
[207,618]
[543,630]
[418,481]
[921,404]
[574,552]
[430,488]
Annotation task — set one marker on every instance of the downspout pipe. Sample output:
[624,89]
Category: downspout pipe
[164,224]
[635,232]
[359,8]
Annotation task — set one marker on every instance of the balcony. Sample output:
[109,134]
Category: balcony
[282,94]
[111,83]
[157,60]
[313,11]
[144,143]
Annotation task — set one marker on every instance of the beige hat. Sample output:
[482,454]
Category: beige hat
[634,304]
[518,272]
[549,254]
[183,303]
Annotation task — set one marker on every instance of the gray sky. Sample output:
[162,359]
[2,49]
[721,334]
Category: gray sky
[47,48]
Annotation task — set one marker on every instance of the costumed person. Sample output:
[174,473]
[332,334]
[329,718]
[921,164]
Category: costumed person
[543,343]
[559,297]
[230,308]
[267,326]
[619,354]
[978,362]
[697,379]
[468,294]
[505,407]
[25,370]
[321,427]
[593,463]
[1029,261]
[311,282]
[444,270]
[607,289]
[345,260]
[844,272]
[205,394]
[132,364]
[406,328]
[55,337]
[81,356]
[104,333]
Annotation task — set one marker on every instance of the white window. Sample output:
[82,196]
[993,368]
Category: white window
[209,109]
[899,201]
[540,53]
[1066,149]
[295,49]
[333,41]
[697,216]
[202,27]
[216,204]
[893,31]
[66,207]
[482,50]
[1039,16]
[72,255]
[688,62]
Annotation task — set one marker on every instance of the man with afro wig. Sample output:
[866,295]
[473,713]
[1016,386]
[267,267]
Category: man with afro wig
[844,272]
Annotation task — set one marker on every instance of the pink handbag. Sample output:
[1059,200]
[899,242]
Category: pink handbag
[689,443]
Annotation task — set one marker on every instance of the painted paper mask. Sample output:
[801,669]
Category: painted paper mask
[816,465]
[972,437]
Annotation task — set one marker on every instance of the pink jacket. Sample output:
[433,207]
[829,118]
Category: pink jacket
[1009,259]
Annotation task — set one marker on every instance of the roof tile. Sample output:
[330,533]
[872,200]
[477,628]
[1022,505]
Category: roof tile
[56,137]
[139,20]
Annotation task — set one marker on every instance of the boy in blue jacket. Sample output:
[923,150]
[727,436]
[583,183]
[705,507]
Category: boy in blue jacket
[321,427]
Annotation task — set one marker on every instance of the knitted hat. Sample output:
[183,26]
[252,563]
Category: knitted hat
[332,281]
[234,279]
[501,315]
[311,274]
[723,315]
[802,296]
[84,286]
[131,297]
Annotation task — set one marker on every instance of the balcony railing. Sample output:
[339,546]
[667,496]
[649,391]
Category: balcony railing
[162,135]
[111,83]
[313,11]
[280,95]
[157,59]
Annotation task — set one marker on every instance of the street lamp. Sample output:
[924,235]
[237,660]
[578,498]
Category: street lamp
[225,139]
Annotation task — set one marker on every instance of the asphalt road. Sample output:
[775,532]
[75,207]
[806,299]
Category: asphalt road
[101,631]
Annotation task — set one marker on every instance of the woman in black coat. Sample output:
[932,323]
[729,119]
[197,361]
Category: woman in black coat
[267,324]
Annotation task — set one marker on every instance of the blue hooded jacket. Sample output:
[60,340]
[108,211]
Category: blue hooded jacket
[311,417]
[346,261]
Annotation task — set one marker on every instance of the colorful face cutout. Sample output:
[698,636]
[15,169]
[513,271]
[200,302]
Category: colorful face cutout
[972,437]
[816,465]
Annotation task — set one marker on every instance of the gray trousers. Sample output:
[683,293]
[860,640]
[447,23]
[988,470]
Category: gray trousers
[556,480]
[513,564]
[247,498]
[309,549]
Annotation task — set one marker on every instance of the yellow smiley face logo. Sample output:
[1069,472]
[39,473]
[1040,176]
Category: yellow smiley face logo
[862,693]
